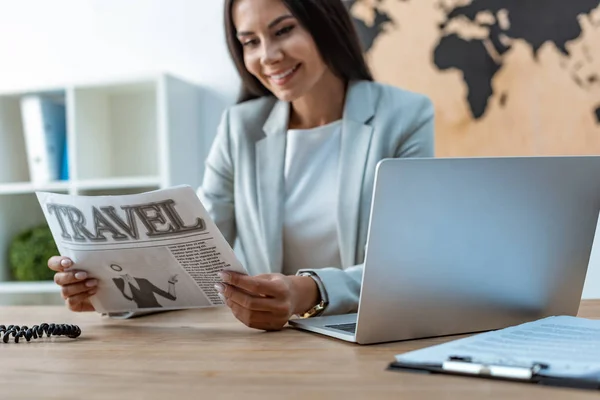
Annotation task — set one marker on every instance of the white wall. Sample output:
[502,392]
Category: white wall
[54,42]
[46,42]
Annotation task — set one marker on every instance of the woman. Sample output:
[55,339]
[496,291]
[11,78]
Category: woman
[290,173]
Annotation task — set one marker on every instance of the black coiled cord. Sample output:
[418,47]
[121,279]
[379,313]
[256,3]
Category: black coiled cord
[37,331]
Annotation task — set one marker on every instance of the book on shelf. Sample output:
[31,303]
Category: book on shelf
[64,166]
[45,129]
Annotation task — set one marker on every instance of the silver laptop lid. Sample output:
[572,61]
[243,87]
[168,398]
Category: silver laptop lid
[464,245]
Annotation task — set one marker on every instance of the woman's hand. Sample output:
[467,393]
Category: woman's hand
[267,301]
[76,286]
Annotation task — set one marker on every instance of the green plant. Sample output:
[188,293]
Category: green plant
[29,252]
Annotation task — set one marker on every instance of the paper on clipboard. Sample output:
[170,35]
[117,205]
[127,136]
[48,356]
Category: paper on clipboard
[567,346]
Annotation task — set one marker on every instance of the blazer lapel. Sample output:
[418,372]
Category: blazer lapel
[270,158]
[356,139]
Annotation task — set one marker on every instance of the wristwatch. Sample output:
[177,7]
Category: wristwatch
[324,301]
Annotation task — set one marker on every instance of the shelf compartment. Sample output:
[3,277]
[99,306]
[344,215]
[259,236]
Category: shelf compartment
[116,130]
[13,155]
[13,152]
[17,213]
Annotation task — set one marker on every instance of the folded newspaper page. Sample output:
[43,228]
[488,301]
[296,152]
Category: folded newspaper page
[152,251]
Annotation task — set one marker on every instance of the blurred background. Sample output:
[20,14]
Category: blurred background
[141,85]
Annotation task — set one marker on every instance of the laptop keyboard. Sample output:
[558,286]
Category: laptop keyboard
[351,327]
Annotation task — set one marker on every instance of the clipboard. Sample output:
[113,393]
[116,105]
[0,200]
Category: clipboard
[465,366]
[554,351]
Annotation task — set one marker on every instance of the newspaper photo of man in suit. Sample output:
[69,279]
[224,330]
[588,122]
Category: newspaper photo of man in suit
[141,290]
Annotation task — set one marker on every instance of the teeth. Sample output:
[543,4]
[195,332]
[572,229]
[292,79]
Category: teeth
[284,74]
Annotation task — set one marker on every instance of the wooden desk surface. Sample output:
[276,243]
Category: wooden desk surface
[207,354]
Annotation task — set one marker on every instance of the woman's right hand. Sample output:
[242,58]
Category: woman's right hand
[76,286]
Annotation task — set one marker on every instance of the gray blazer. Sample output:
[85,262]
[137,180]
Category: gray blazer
[243,186]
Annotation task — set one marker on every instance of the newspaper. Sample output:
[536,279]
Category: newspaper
[152,251]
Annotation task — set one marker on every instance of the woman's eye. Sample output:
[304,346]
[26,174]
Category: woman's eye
[250,42]
[285,30]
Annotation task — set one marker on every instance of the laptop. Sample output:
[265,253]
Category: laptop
[463,245]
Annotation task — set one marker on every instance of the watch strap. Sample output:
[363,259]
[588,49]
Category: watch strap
[324,300]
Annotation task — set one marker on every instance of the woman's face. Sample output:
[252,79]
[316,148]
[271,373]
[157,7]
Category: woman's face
[277,49]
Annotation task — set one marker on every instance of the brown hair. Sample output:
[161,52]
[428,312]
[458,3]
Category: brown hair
[331,27]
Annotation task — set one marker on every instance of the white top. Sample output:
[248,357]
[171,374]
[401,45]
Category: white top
[311,186]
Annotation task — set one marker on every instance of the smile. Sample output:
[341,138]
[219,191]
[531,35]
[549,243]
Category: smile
[284,76]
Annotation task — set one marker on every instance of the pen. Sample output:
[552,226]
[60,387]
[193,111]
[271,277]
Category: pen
[466,365]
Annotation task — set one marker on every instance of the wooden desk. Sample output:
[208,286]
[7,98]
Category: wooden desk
[207,354]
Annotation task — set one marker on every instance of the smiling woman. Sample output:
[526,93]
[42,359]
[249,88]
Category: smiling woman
[290,173]
[315,36]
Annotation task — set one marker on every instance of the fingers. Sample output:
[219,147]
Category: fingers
[59,263]
[254,303]
[77,288]
[255,284]
[77,295]
[257,312]
[256,319]
[67,278]
[81,302]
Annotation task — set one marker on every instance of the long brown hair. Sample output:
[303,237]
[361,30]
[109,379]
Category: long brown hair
[331,27]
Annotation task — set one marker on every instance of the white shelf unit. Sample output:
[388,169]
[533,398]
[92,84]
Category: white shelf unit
[125,135]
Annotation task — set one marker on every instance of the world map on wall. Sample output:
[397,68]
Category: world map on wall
[493,46]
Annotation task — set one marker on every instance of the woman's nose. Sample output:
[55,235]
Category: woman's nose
[271,53]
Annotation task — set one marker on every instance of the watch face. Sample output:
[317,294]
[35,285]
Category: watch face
[316,310]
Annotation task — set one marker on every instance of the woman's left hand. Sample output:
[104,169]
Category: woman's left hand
[267,301]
